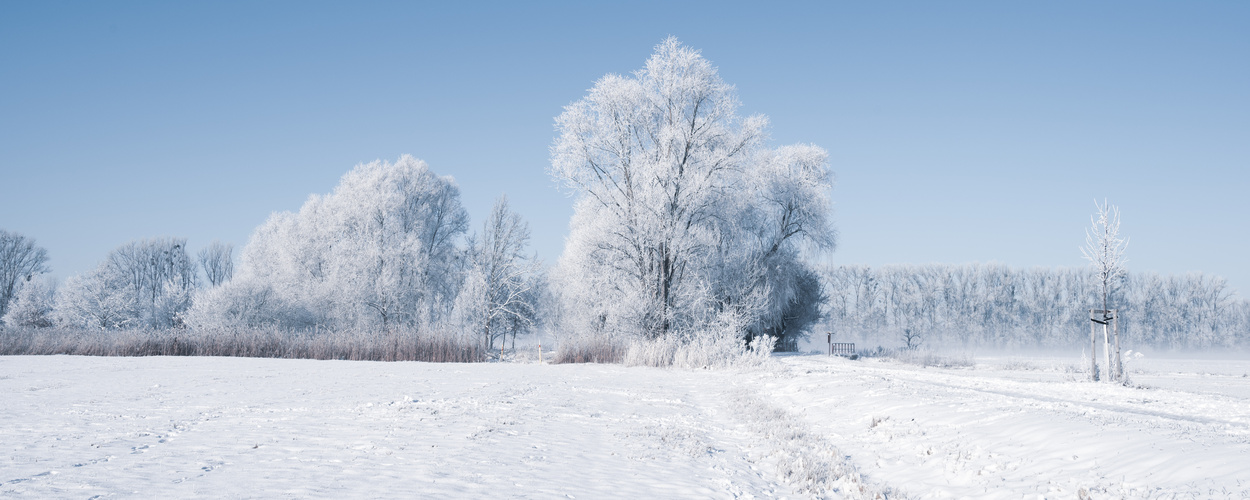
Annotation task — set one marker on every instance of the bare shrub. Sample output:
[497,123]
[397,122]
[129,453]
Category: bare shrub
[1019,364]
[940,361]
[360,345]
[590,349]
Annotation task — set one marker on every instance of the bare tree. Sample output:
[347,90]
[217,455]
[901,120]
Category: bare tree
[20,260]
[497,299]
[144,283]
[911,338]
[1104,249]
[217,261]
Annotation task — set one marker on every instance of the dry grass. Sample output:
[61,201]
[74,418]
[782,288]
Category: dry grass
[590,349]
[394,345]
[1020,365]
[919,358]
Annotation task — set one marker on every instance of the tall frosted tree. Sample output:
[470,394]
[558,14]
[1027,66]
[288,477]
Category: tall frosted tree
[20,260]
[682,213]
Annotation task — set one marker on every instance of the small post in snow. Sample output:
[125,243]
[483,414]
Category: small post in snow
[540,354]
[829,340]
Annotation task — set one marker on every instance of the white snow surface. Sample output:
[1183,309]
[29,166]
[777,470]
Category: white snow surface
[1019,428]
[165,427]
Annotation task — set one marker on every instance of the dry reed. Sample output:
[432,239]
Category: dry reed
[359,345]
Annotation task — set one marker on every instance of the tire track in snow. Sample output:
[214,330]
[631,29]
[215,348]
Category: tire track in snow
[901,374]
[939,432]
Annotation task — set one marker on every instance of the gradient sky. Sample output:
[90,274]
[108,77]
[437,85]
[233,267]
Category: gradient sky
[958,131]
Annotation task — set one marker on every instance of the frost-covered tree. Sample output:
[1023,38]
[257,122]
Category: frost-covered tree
[379,251]
[97,300]
[497,299]
[217,261]
[682,213]
[1104,249]
[32,305]
[20,261]
[145,283]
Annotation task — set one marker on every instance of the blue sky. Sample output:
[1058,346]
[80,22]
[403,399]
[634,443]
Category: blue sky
[958,131]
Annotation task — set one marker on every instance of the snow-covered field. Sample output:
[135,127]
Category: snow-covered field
[161,427]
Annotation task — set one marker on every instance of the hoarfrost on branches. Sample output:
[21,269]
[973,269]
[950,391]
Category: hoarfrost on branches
[1104,249]
[32,305]
[498,295]
[682,212]
[145,283]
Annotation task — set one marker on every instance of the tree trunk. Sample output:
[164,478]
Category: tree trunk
[1119,363]
[1106,350]
[1093,348]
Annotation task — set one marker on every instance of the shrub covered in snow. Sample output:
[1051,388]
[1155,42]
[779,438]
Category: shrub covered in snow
[31,305]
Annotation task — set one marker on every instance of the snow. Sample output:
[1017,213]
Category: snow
[998,431]
[236,427]
[1009,427]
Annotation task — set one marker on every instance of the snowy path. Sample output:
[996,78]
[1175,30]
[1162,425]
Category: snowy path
[993,433]
[227,427]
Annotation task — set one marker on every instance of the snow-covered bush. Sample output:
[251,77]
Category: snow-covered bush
[716,346]
[245,304]
[683,213]
[32,305]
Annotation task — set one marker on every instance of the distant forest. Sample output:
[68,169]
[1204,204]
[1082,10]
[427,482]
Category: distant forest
[1000,306]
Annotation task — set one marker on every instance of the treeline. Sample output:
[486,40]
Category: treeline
[389,250]
[999,306]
